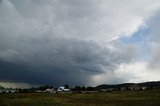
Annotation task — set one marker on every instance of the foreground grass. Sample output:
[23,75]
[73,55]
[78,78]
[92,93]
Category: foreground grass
[116,98]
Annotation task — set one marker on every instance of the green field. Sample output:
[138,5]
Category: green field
[115,98]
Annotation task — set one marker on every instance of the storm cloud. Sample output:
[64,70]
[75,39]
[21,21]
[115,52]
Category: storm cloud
[63,60]
[69,41]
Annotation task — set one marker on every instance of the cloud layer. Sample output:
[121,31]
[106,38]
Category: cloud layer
[69,41]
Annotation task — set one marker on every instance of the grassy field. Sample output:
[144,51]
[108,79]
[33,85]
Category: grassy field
[115,98]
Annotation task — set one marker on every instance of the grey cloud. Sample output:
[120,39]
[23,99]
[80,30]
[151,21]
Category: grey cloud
[154,62]
[65,41]
[154,27]
[154,41]
[90,20]
[64,60]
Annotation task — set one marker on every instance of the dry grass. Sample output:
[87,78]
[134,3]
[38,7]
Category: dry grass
[116,98]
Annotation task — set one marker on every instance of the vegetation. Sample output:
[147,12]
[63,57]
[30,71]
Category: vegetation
[114,98]
[1,87]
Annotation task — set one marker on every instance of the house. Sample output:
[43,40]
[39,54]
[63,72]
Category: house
[38,91]
[144,88]
[63,89]
[50,90]
[13,91]
[123,88]
[8,91]
[89,91]
[1,90]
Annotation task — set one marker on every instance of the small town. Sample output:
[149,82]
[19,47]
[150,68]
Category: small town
[83,89]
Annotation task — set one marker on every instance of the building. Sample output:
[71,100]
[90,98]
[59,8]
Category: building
[63,89]
[50,90]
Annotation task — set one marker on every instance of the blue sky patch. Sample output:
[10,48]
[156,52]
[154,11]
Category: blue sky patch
[140,38]
[137,37]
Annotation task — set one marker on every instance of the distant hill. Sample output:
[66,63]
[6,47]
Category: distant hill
[153,84]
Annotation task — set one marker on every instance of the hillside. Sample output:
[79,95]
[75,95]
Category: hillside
[148,85]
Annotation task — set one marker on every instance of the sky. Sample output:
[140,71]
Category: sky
[79,42]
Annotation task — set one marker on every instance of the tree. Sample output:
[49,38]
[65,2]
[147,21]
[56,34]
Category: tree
[1,87]
[66,86]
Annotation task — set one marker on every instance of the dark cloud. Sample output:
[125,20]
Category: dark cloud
[67,41]
[62,60]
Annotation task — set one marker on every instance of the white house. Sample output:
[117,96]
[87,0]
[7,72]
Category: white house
[8,91]
[1,91]
[50,90]
[38,91]
[13,91]
[63,89]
